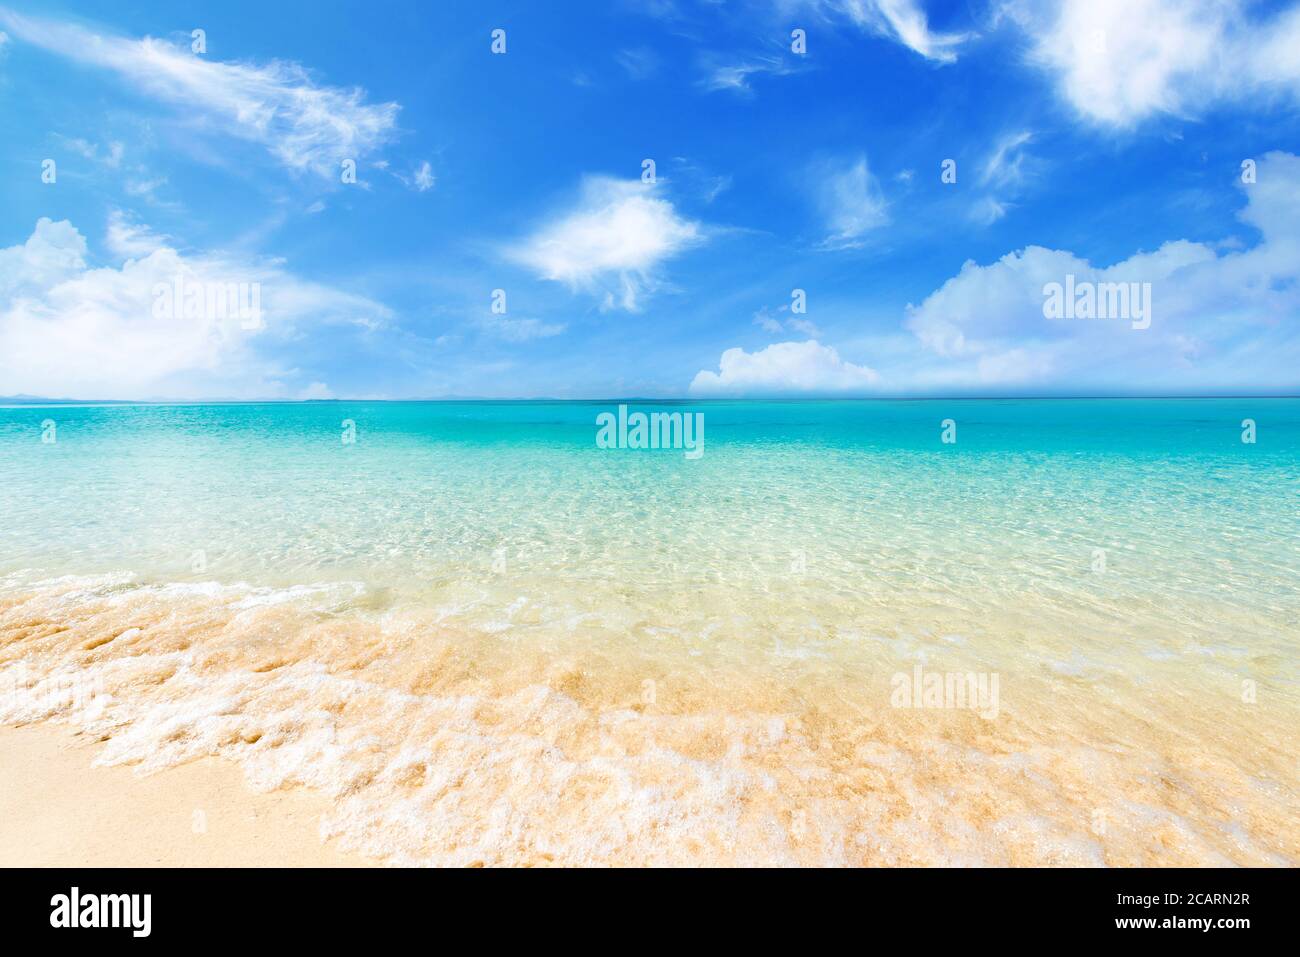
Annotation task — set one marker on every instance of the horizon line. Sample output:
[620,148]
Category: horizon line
[23,400]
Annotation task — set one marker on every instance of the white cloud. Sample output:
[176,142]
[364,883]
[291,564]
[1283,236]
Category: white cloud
[987,308]
[316,390]
[734,74]
[519,330]
[67,329]
[850,201]
[144,188]
[1118,62]
[304,125]
[771,324]
[639,63]
[53,253]
[900,20]
[421,179]
[1230,316]
[111,157]
[131,240]
[784,368]
[1005,170]
[1005,166]
[987,210]
[611,242]
[767,322]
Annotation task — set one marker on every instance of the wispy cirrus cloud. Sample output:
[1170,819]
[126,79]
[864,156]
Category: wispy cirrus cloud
[850,200]
[1005,165]
[769,322]
[129,239]
[111,156]
[305,125]
[987,210]
[421,179]
[611,241]
[1004,174]
[734,73]
[640,63]
[519,330]
[903,21]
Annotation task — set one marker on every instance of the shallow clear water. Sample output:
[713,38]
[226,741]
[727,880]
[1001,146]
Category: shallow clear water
[491,640]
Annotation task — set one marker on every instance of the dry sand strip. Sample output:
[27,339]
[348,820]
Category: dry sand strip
[56,810]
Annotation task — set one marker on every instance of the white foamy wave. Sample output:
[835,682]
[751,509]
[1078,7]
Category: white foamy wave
[439,743]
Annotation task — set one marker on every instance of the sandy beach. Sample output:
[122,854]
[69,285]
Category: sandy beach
[477,639]
[58,810]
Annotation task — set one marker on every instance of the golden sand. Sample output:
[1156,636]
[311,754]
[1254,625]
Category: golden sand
[409,740]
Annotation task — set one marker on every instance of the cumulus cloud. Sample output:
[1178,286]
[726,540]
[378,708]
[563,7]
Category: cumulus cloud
[304,125]
[985,309]
[71,330]
[1118,62]
[851,202]
[1228,315]
[53,252]
[611,242]
[1223,315]
[784,368]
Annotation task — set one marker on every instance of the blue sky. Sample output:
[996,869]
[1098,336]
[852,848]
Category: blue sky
[1094,139]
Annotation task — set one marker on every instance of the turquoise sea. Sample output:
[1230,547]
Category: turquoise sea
[490,640]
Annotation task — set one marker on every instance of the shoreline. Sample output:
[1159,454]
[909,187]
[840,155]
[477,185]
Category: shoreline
[58,810]
[417,743]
